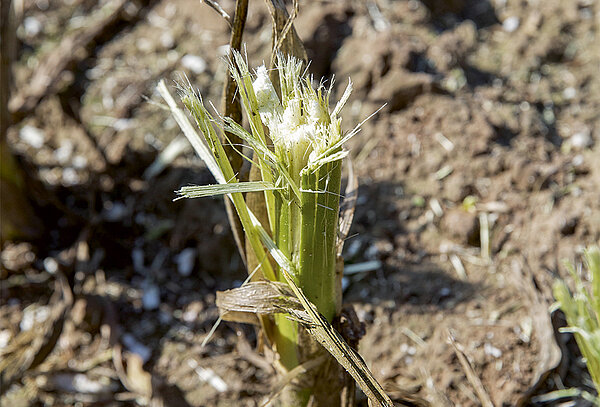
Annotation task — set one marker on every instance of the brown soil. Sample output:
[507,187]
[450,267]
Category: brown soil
[497,102]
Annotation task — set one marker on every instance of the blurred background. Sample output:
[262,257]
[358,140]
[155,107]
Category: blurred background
[477,179]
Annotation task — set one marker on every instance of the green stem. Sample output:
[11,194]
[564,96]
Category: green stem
[331,230]
[307,231]
[306,234]
[287,330]
[316,268]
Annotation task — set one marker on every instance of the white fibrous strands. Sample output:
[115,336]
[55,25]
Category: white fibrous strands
[269,106]
[300,124]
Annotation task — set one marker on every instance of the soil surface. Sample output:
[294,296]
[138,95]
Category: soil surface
[478,178]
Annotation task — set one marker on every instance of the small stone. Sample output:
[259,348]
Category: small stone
[491,350]
[581,140]
[569,93]
[578,160]
[32,26]
[511,24]
[50,265]
[32,136]
[194,63]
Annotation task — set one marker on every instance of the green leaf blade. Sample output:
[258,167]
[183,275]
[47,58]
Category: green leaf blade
[202,191]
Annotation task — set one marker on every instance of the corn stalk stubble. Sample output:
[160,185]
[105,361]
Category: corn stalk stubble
[302,350]
[318,327]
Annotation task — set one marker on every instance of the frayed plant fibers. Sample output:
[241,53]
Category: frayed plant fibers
[301,171]
[297,144]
